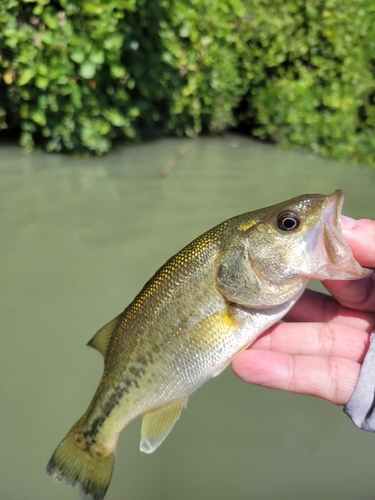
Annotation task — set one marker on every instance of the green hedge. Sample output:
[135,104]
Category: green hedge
[76,74]
[312,68]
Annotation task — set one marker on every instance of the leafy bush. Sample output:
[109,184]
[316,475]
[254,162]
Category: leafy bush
[311,68]
[85,72]
[76,74]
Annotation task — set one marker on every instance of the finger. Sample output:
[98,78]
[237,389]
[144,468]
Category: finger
[315,339]
[329,378]
[318,307]
[360,236]
[359,294]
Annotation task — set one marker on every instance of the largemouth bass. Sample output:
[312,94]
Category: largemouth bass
[206,304]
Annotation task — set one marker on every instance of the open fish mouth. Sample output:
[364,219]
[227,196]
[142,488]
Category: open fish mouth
[334,258]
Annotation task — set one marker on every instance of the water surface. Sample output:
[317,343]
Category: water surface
[79,238]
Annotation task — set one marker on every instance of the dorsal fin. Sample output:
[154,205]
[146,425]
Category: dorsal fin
[103,336]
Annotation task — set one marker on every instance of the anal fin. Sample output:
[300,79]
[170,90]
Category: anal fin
[157,425]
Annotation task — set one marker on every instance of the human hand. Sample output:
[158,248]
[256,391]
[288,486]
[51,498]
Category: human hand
[319,348]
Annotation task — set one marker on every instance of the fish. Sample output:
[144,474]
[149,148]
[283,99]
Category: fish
[206,304]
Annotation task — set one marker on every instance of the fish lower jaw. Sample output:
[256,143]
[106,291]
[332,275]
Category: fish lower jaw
[347,269]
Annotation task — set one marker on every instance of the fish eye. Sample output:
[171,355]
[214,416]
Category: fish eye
[288,221]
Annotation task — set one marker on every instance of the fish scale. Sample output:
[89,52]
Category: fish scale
[206,304]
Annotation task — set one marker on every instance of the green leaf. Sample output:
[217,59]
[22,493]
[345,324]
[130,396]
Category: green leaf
[97,56]
[50,19]
[41,82]
[113,42]
[87,70]
[26,75]
[38,117]
[117,71]
[78,56]
[115,117]
[185,30]
[130,83]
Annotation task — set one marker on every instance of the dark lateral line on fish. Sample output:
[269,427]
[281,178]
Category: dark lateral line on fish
[122,387]
[114,399]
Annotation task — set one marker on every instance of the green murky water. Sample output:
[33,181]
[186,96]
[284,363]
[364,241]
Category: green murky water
[79,238]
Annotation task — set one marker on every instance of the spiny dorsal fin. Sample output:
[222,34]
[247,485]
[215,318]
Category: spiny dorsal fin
[102,337]
[157,425]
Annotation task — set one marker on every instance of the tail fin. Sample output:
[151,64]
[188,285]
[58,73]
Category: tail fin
[74,463]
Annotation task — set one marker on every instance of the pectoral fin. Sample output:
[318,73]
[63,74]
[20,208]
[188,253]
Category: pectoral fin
[157,425]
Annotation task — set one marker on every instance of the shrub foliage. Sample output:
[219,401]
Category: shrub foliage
[76,74]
